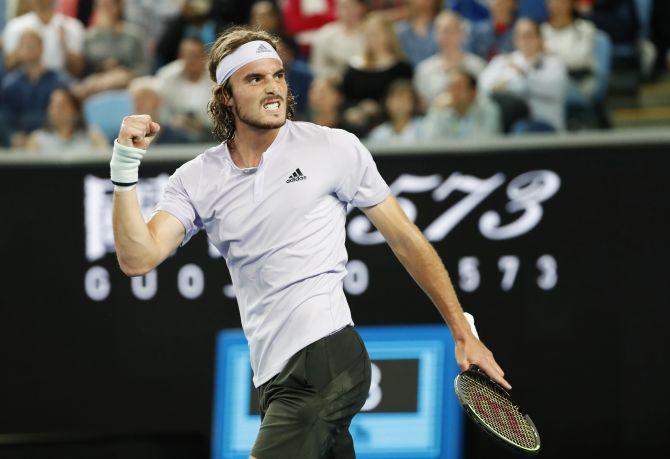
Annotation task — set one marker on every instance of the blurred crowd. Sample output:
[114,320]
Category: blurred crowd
[391,71]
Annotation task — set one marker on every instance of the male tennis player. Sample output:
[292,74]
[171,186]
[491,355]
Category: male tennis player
[272,198]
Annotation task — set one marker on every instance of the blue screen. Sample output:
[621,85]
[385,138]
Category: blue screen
[411,411]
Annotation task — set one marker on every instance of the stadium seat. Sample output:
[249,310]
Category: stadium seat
[106,110]
[603,52]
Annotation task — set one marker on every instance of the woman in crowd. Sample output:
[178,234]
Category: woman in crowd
[402,106]
[65,130]
[573,41]
[370,73]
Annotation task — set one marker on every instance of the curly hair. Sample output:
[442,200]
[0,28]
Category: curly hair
[222,116]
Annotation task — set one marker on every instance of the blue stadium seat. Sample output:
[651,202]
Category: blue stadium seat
[603,52]
[106,110]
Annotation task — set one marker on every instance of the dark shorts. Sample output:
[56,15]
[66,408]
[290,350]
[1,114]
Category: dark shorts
[307,408]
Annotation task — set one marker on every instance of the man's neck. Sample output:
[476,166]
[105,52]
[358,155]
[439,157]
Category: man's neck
[192,77]
[250,143]
[34,70]
[560,22]
[45,15]
[451,55]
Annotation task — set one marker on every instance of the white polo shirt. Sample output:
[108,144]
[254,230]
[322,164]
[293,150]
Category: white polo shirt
[281,229]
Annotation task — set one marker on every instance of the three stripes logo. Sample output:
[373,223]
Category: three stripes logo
[296,176]
[262,49]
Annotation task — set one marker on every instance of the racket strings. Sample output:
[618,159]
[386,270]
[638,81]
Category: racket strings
[498,412]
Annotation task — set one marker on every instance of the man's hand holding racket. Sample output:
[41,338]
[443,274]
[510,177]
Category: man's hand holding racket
[471,351]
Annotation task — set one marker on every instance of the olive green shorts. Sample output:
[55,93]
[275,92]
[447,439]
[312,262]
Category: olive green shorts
[307,408]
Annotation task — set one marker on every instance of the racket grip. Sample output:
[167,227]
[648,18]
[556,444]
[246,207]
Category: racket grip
[471,322]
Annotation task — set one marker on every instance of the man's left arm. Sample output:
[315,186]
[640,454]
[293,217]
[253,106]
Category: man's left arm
[424,265]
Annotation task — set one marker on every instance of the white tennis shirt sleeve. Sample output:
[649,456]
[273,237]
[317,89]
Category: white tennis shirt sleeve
[360,183]
[177,202]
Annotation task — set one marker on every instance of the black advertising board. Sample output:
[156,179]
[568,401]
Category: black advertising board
[560,254]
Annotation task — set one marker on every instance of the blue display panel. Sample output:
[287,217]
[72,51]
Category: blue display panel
[411,410]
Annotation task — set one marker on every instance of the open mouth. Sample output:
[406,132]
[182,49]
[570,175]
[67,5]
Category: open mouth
[272,105]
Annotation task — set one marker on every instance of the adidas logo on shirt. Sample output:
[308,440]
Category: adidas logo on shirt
[262,49]
[296,176]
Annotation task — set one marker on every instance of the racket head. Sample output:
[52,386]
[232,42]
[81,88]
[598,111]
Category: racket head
[490,406]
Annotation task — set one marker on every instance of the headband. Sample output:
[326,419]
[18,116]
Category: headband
[248,52]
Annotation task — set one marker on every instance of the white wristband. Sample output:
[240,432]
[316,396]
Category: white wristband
[125,164]
[471,322]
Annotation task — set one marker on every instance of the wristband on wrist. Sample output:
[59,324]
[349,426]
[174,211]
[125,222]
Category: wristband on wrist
[125,164]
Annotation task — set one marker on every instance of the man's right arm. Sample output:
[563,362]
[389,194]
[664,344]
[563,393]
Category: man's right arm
[140,246]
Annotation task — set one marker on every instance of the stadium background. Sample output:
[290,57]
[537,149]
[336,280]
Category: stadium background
[572,300]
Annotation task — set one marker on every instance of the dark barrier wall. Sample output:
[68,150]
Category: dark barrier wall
[560,254]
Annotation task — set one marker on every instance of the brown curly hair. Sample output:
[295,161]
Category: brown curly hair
[222,116]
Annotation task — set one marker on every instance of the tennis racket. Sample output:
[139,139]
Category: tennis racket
[492,409]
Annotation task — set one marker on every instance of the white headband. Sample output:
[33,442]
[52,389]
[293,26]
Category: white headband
[249,52]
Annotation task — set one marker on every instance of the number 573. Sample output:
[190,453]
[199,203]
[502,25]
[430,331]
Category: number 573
[526,194]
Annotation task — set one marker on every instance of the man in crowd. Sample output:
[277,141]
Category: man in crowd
[530,75]
[458,113]
[63,38]
[186,89]
[25,92]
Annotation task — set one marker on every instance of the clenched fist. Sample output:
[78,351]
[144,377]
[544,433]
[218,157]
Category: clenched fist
[138,131]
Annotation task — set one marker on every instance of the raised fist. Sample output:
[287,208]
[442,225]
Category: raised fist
[138,131]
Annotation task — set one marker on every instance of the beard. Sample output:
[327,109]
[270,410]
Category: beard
[256,123]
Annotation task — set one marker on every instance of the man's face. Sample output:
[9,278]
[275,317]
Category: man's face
[461,92]
[263,16]
[147,101]
[30,49]
[400,102]
[502,7]
[350,10]
[527,38]
[259,93]
[449,32]
[193,54]
[42,5]
[559,7]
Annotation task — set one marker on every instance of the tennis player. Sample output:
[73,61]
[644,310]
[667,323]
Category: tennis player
[272,198]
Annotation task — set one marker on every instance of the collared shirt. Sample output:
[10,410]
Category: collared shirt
[416,47]
[26,100]
[281,229]
[53,56]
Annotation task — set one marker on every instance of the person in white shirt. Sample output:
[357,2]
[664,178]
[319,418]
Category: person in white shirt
[431,76]
[273,199]
[531,75]
[458,112]
[573,40]
[63,38]
[186,89]
[336,42]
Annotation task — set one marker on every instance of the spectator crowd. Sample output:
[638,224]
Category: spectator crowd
[390,71]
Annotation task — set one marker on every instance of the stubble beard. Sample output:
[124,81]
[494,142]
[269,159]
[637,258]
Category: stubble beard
[257,124]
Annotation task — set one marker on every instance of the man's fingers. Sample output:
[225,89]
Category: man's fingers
[496,374]
[153,129]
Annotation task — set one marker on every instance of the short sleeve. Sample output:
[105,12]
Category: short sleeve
[176,202]
[359,181]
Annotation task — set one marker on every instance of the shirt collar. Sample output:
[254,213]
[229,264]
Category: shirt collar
[264,158]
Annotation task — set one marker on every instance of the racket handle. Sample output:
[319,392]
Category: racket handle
[471,322]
